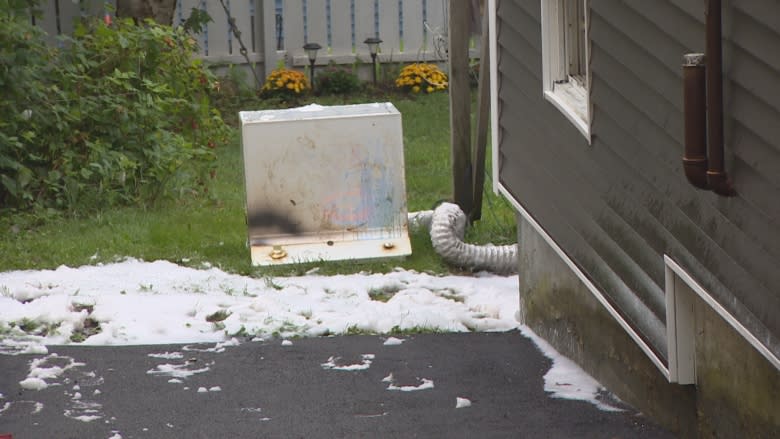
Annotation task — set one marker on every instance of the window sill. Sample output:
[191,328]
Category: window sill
[572,101]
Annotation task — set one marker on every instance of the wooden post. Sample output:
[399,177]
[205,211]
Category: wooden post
[460,104]
[483,111]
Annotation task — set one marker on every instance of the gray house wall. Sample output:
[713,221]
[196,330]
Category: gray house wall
[618,205]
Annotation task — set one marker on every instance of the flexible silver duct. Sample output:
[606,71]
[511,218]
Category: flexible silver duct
[448,228]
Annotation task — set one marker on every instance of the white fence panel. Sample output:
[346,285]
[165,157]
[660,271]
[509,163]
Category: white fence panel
[217,42]
[49,21]
[183,10]
[413,27]
[243,12]
[68,13]
[293,27]
[267,34]
[341,30]
[436,30]
[58,16]
[364,27]
[411,30]
[317,24]
[217,32]
[389,30]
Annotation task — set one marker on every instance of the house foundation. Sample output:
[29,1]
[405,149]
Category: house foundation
[737,392]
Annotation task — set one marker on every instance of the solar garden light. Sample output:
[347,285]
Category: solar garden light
[311,51]
[373,47]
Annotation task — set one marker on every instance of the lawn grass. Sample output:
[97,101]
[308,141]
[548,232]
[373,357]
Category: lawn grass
[195,231]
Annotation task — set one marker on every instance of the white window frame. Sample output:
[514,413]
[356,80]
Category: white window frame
[566,72]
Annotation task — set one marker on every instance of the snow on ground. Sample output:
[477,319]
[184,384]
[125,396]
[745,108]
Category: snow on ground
[393,341]
[425,384]
[135,302]
[566,380]
[332,364]
[462,402]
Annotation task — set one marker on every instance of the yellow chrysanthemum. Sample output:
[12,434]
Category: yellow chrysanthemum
[417,77]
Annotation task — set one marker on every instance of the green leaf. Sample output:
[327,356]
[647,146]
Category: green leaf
[10,185]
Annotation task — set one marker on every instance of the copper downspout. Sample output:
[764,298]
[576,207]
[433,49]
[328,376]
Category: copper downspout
[717,178]
[694,107]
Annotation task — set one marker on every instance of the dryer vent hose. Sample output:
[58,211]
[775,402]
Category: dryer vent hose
[448,227]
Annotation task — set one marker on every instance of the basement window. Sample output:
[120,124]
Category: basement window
[565,59]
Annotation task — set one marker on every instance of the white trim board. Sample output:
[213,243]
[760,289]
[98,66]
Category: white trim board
[493,38]
[658,362]
[680,312]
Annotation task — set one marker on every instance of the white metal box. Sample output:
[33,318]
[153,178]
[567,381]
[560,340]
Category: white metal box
[324,183]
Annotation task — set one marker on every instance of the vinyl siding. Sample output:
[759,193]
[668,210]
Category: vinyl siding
[617,206]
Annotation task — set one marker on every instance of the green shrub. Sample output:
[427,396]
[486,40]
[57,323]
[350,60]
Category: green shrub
[336,80]
[120,114]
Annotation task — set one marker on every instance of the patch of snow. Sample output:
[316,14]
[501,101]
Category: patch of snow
[364,364]
[33,384]
[83,418]
[210,389]
[40,368]
[160,302]
[287,343]
[76,395]
[35,349]
[392,341]
[37,407]
[377,415]
[462,403]
[388,379]
[21,343]
[168,355]
[97,392]
[176,370]
[115,435]
[424,385]
[219,347]
[85,411]
[565,379]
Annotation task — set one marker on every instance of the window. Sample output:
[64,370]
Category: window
[565,59]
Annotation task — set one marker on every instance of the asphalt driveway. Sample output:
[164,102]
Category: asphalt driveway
[334,387]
